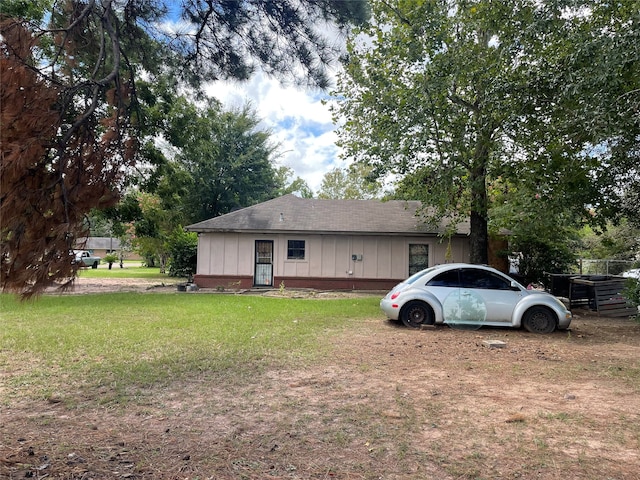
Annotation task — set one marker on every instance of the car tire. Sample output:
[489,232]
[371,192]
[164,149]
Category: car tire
[95,265]
[539,320]
[415,314]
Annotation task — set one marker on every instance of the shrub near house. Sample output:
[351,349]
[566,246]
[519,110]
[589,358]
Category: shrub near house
[111,258]
[632,293]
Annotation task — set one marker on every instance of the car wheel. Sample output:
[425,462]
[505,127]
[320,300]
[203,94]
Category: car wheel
[539,320]
[415,314]
[95,265]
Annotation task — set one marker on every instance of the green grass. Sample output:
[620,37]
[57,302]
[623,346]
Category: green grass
[129,341]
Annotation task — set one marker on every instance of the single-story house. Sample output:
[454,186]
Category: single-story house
[324,244]
[101,246]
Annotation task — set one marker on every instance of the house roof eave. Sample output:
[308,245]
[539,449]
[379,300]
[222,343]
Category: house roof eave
[292,215]
[413,233]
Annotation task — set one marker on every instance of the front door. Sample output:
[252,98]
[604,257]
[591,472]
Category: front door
[263,276]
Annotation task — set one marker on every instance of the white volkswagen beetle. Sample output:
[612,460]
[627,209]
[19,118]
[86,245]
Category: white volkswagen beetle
[470,296]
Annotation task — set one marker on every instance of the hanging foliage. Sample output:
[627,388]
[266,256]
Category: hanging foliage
[70,111]
[53,169]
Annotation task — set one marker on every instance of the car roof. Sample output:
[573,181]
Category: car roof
[451,266]
[432,271]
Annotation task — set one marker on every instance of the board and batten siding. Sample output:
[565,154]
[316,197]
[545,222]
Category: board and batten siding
[227,260]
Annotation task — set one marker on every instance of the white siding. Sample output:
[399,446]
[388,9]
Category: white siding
[328,256]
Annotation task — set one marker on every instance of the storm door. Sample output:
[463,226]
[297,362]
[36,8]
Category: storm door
[418,257]
[263,276]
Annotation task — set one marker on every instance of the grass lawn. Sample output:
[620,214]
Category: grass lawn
[133,340]
[168,386]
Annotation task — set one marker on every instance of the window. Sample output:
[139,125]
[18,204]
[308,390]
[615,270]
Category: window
[449,278]
[295,249]
[476,278]
[418,257]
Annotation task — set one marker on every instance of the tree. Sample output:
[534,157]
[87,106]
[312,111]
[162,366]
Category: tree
[287,184]
[618,242]
[183,250]
[208,162]
[141,223]
[604,68]
[227,158]
[80,99]
[51,173]
[353,182]
[452,96]
[152,230]
[543,234]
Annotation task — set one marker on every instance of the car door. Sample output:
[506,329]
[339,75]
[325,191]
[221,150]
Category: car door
[461,306]
[495,291]
[443,284]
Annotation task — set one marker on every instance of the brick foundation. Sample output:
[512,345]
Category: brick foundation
[226,282]
[223,282]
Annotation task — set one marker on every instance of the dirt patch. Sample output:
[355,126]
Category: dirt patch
[83,285]
[388,403]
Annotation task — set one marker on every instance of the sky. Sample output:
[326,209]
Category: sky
[297,120]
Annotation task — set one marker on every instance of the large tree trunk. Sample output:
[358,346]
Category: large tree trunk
[479,239]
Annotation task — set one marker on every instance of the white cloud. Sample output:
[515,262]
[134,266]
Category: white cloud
[300,123]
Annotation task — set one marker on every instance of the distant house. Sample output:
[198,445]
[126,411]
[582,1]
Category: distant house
[101,246]
[322,244]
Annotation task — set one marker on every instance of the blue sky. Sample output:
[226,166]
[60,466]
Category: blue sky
[300,123]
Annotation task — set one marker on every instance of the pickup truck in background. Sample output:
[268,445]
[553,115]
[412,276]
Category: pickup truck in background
[85,259]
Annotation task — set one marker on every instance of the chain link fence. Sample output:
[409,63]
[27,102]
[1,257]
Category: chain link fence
[605,266]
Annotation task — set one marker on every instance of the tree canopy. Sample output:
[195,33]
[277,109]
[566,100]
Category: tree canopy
[228,161]
[288,183]
[52,169]
[460,98]
[207,161]
[353,183]
[70,72]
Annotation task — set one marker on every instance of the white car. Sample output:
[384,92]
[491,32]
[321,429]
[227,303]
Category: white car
[470,296]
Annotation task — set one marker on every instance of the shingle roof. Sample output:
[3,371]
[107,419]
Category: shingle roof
[100,243]
[293,214]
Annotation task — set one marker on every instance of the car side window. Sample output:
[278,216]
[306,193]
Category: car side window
[449,278]
[475,278]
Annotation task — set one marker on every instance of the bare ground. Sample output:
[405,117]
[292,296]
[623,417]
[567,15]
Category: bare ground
[388,403]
